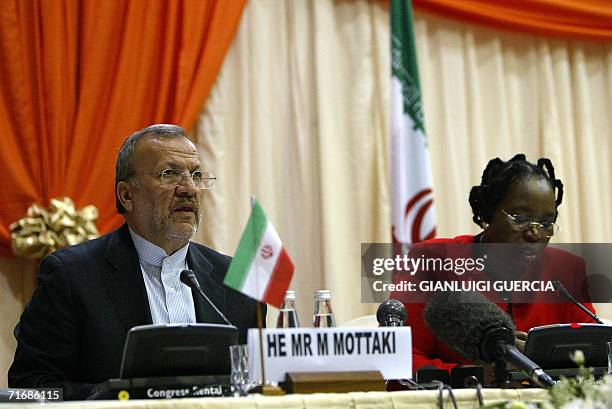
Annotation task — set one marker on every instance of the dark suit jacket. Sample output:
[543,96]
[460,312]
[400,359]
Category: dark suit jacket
[72,332]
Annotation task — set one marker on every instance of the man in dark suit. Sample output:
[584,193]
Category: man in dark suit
[72,332]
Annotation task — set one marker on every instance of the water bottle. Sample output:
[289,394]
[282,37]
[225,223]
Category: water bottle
[287,317]
[322,317]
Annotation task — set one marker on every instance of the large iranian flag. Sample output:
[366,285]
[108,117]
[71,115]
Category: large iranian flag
[261,267]
[413,217]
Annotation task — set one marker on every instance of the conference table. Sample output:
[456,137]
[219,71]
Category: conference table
[466,399]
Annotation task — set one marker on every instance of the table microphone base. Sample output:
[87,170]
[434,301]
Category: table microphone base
[164,387]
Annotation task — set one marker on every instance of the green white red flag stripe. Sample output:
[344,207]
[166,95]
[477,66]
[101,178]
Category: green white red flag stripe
[412,210]
[261,267]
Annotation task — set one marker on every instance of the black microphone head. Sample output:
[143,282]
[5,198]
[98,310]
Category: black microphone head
[391,310]
[188,278]
[464,321]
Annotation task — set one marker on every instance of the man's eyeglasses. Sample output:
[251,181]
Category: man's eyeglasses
[172,177]
[522,223]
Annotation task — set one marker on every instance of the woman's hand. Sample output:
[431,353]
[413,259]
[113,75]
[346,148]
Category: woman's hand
[521,337]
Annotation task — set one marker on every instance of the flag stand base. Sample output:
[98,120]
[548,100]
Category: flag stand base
[267,390]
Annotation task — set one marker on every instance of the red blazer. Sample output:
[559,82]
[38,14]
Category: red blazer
[427,350]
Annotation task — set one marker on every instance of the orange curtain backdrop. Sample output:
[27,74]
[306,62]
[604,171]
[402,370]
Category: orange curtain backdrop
[586,19]
[77,77]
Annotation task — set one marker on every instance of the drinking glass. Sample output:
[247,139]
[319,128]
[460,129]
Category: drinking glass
[240,370]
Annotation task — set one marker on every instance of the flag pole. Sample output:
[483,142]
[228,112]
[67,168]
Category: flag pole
[263,388]
[259,322]
[261,354]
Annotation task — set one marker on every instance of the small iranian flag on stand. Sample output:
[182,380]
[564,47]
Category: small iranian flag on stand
[261,267]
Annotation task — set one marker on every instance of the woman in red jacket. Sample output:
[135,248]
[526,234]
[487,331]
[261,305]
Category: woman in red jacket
[516,202]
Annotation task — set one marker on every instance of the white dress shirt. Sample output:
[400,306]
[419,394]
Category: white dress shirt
[170,300]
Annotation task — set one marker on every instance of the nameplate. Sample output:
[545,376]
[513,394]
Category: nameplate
[388,350]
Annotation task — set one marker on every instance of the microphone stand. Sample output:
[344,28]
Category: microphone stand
[501,377]
[566,294]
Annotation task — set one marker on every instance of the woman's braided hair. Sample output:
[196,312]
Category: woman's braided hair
[497,177]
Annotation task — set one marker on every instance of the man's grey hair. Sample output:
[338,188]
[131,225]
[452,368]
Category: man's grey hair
[124,167]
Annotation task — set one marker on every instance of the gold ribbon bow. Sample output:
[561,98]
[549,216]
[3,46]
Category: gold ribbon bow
[43,231]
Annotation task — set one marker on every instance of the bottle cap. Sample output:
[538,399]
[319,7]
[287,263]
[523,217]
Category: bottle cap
[290,295]
[322,295]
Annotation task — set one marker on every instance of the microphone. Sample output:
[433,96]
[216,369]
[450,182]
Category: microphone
[479,330]
[391,313]
[566,294]
[188,278]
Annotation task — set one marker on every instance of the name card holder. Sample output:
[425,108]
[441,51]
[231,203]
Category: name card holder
[332,350]
[334,382]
